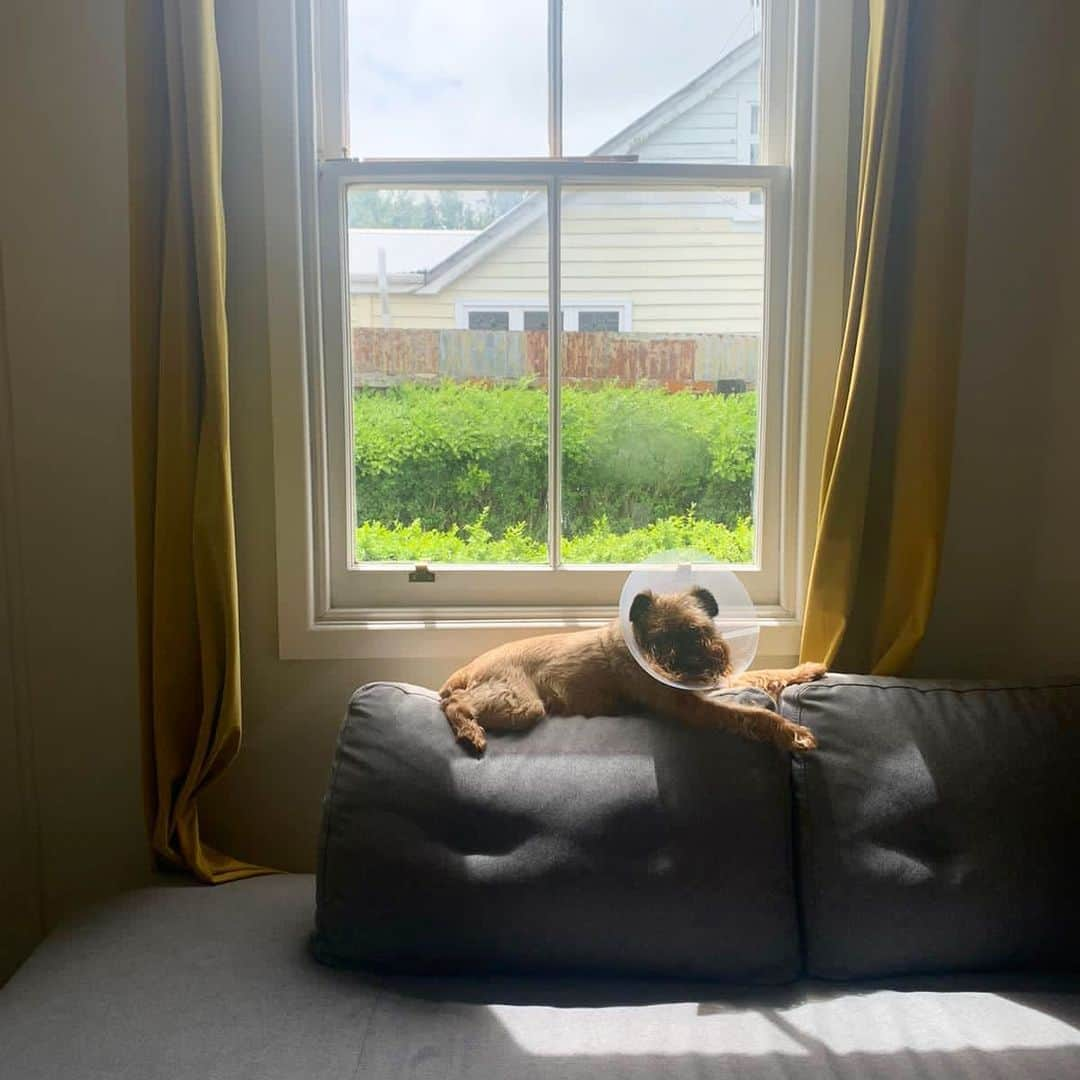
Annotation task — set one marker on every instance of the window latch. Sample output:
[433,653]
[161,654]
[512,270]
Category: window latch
[421,573]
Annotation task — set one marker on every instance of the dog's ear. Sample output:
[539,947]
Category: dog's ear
[640,607]
[706,600]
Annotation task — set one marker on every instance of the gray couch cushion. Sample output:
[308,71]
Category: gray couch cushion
[217,984]
[612,845]
[937,826]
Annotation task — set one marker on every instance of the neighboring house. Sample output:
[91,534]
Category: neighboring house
[659,262]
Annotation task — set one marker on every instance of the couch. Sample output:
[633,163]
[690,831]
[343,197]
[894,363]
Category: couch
[617,898]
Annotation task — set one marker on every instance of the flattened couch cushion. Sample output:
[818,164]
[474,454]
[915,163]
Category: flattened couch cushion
[613,845]
[937,826]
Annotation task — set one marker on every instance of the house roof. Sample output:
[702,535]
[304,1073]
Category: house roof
[684,99]
[408,252]
[464,255]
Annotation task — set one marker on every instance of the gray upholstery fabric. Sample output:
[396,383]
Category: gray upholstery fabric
[937,826]
[217,984]
[610,845]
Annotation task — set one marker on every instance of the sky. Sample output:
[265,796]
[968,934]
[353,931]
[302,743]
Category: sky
[462,78]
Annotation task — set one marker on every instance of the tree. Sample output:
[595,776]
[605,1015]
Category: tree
[372,209]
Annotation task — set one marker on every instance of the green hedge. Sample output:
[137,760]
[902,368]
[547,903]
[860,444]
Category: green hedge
[632,456]
[475,543]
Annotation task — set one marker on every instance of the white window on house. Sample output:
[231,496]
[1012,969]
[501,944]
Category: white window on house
[468,464]
[600,315]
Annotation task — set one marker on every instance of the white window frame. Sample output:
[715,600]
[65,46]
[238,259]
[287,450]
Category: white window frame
[805,204]
[571,311]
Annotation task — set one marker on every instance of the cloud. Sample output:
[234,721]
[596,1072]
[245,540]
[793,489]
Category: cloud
[431,78]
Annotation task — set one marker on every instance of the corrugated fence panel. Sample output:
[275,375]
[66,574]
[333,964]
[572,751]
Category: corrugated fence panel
[702,362]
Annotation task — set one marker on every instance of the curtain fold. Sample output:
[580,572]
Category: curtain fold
[185,544]
[889,446]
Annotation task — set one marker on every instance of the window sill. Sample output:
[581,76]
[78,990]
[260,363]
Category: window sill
[384,635]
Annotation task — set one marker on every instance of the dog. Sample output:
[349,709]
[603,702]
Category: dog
[593,673]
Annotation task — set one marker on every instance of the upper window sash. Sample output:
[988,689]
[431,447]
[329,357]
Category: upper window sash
[331,105]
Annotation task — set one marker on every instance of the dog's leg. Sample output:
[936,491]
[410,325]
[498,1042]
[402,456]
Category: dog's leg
[691,707]
[501,706]
[461,715]
[774,681]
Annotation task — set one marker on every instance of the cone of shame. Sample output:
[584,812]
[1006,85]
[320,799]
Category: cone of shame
[680,571]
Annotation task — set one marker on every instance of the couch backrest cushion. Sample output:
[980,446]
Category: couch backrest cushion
[937,826]
[613,845]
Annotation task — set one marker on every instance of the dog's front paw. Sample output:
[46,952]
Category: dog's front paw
[473,736]
[462,718]
[809,672]
[797,738]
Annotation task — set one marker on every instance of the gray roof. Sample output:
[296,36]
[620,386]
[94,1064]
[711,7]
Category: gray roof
[408,252]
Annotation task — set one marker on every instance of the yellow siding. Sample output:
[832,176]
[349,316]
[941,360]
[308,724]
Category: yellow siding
[680,259]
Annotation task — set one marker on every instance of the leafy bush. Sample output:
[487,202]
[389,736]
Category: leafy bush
[475,543]
[632,457]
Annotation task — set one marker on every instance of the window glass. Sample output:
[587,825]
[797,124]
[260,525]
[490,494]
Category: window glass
[595,321]
[433,79]
[489,320]
[450,425]
[660,424]
[660,81]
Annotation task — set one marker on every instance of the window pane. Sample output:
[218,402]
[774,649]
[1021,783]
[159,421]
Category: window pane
[596,321]
[450,406]
[665,82]
[489,320]
[659,423]
[535,320]
[432,79]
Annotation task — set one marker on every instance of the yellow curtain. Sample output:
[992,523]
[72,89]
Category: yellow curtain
[889,447]
[185,547]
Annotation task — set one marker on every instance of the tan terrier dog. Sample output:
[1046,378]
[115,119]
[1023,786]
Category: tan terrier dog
[593,673]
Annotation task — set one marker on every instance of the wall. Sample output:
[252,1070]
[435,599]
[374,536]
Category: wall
[1009,593]
[1007,575]
[1008,601]
[67,621]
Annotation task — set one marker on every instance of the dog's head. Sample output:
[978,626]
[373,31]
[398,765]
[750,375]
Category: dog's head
[676,635]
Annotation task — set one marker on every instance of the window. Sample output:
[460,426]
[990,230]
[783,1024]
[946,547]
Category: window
[465,463]
[586,315]
[489,320]
[597,321]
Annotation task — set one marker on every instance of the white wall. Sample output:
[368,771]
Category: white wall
[67,635]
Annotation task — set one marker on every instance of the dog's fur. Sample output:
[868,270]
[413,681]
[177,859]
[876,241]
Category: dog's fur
[592,673]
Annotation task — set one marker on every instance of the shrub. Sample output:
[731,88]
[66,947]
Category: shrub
[378,542]
[632,456]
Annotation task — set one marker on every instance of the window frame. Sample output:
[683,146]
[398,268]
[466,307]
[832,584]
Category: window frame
[315,620]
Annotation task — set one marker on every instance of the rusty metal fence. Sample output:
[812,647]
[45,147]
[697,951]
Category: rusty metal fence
[705,363]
